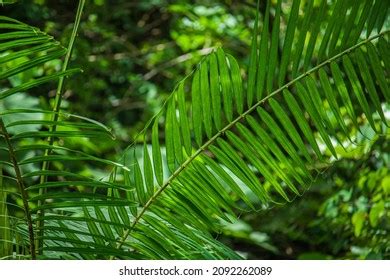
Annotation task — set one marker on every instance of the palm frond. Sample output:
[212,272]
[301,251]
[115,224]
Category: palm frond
[25,132]
[223,150]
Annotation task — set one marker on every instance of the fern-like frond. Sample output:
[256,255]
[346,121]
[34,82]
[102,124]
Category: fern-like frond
[24,142]
[317,82]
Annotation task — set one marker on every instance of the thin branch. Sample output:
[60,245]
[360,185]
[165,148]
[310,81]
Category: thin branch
[56,109]
[21,186]
[229,126]
[175,61]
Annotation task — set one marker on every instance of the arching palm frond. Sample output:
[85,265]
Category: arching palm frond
[25,133]
[225,148]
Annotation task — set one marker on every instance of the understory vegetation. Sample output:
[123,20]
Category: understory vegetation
[195,130]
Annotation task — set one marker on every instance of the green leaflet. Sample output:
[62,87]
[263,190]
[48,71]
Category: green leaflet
[382,15]
[263,55]
[170,134]
[219,191]
[130,196]
[251,155]
[289,127]
[330,97]
[114,216]
[224,176]
[204,193]
[280,136]
[334,19]
[37,82]
[231,159]
[156,153]
[17,34]
[196,108]
[5,229]
[377,7]
[105,228]
[355,34]
[275,149]
[309,106]
[69,234]
[138,181]
[28,52]
[350,24]
[148,171]
[358,90]
[236,83]
[23,42]
[93,229]
[320,15]
[319,106]
[303,31]
[253,61]
[302,122]
[183,119]
[215,92]
[341,18]
[205,98]
[291,26]
[383,48]
[365,72]
[31,63]
[342,90]
[380,77]
[160,227]
[72,183]
[273,52]
[73,204]
[225,82]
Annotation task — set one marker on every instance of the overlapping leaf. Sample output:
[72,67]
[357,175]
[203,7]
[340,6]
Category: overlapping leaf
[220,146]
[23,141]
[225,150]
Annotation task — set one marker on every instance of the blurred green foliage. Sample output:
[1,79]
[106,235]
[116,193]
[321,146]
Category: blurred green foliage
[134,52]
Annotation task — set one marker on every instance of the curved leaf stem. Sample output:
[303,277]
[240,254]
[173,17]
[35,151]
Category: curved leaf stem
[53,128]
[21,186]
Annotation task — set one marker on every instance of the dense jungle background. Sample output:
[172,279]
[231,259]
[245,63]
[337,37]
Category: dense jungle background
[133,53]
